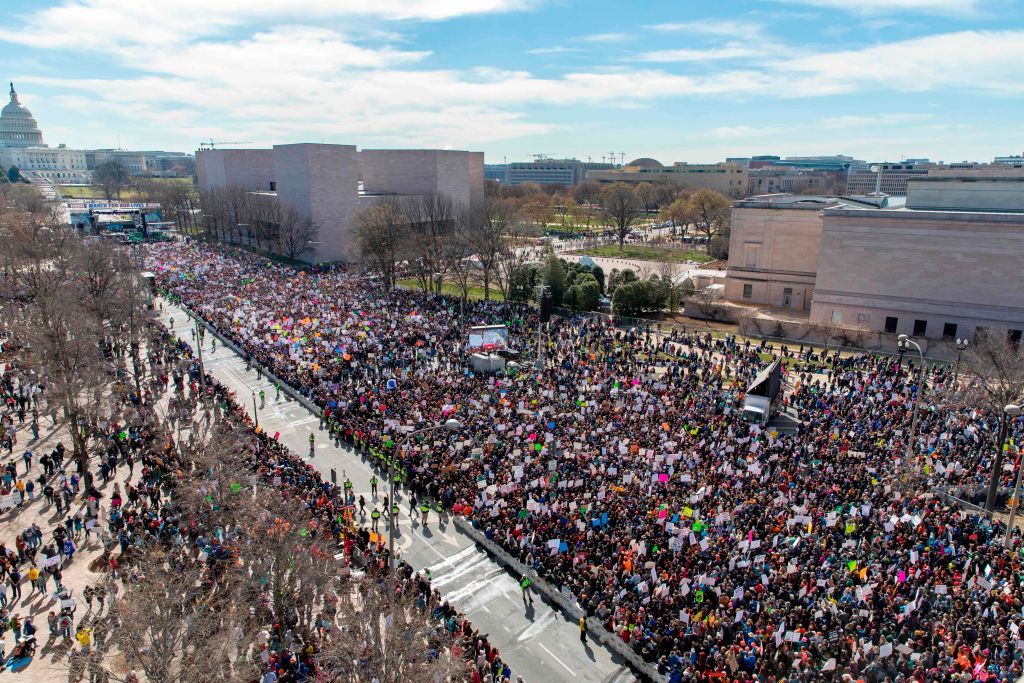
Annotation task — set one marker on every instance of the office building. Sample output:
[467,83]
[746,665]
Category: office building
[331,184]
[565,172]
[890,178]
[498,172]
[729,179]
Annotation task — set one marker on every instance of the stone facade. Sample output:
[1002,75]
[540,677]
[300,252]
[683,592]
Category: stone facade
[250,169]
[773,250]
[922,273]
[321,181]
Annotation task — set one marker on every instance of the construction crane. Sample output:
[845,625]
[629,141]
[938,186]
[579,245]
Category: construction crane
[212,144]
[541,157]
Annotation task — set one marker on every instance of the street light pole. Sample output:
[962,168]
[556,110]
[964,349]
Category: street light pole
[961,344]
[450,425]
[905,342]
[202,370]
[1011,410]
[255,410]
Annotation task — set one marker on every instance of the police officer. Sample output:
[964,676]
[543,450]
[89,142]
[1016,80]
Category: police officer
[311,439]
[424,510]
[375,517]
[263,399]
[373,486]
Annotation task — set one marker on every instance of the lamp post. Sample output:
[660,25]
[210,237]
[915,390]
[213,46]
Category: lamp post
[255,410]
[450,425]
[904,343]
[199,345]
[1010,410]
[1013,410]
[961,345]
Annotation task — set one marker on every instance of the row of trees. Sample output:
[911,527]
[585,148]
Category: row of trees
[621,207]
[431,237]
[258,221]
[67,301]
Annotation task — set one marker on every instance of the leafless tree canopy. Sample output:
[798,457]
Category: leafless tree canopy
[620,209]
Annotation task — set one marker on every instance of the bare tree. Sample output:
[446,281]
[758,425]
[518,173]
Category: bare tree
[491,228]
[295,233]
[112,177]
[620,210]
[709,212]
[995,370]
[384,635]
[381,231]
[432,220]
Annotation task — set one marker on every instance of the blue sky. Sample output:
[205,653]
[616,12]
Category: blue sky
[678,80]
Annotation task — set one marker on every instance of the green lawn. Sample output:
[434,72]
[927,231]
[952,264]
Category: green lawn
[453,289]
[647,252]
[94,192]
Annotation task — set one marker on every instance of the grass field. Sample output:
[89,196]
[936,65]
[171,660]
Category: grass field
[452,289]
[95,192]
[646,252]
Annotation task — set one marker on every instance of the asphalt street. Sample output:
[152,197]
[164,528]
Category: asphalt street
[538,642]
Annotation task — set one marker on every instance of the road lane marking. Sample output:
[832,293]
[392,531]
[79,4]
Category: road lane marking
[557,659]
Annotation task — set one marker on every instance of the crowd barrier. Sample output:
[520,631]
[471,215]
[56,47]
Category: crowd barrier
[567,605]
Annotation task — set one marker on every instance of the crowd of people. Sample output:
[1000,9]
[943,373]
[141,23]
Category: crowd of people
[128,503]
[623,473]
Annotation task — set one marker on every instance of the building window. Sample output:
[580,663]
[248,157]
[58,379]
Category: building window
[837,317]
[891,324]
[1014,336]
[949,330]
[748,291]
[920,328]
[787,296]
[863,318]
[751,256]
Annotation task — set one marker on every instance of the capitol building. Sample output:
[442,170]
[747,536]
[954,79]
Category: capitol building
[22,145]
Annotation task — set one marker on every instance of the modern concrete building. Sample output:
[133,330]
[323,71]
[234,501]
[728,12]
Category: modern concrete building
[729,179]
[942,263]
[331,184]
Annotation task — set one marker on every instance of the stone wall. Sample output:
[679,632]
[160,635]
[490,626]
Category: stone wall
[936,267]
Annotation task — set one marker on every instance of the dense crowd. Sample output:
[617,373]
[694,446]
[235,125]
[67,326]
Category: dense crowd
[129,503]
[623,474]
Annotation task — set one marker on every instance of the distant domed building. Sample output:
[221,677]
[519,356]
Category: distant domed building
[646,162]
[22,146]
[18,128]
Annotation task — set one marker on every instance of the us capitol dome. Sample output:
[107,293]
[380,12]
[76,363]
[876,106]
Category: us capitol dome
[18,128]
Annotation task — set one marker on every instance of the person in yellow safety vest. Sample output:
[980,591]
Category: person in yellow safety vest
[375,516]
[311,439]
[394,511]
[373,486]
[424,510]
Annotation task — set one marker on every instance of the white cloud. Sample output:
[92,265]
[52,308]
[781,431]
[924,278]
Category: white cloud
[727,28]
[553,50]
[894,6]
[109,24]
[729,51]
[605,38]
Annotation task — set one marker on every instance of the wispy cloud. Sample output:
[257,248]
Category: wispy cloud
[553,50]
[728,51]
[960,7]
[725,28]
[605,37]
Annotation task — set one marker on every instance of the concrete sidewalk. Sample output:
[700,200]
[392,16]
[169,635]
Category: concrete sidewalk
[538,643]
